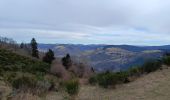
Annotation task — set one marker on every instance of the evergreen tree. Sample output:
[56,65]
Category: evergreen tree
[22,45]
[49,56]
[67,62]
[34,48]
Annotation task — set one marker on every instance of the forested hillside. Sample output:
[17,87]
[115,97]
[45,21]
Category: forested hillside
[25,70]
[36,75]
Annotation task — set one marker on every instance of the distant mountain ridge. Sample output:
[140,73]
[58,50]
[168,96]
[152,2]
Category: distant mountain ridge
[140,48]
[108,57]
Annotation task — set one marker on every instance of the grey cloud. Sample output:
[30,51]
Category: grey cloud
[90,19]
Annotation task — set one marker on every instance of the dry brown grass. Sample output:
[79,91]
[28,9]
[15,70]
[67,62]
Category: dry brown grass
[25,96]
[154,86]
[4,91]
[58,69]
[81,70]
[76,70]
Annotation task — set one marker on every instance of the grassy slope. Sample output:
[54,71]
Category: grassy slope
[154,86]
[12,65]
[13,62]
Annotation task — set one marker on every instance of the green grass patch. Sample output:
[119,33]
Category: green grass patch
[13,62]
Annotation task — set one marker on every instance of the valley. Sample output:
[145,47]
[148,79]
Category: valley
[108,57]
[84,50]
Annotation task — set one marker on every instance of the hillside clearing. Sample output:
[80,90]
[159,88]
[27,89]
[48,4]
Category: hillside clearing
[154,86]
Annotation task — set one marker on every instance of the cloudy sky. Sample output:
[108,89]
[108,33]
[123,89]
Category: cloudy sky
[137,22]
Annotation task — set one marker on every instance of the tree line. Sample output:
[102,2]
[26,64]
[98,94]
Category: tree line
[49,55]
[32,49]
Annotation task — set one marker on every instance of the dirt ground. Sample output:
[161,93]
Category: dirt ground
[154,86]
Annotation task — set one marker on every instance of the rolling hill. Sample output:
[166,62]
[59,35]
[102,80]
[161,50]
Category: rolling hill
[108,57]
[29,75]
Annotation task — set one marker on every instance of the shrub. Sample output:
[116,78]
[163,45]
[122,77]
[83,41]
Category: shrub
[151,66]
[93,80]
[58,70]
[135,71]
[72,87]
[1,70]
[109,78]
[121,77]
[9,76]
[106,79]
[166,60]
[24,82]
[112,78]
